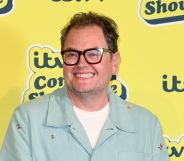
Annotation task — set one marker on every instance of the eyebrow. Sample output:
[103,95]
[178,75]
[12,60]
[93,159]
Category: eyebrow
[70,48]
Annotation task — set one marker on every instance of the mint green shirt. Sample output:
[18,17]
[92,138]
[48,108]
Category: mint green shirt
[47,129]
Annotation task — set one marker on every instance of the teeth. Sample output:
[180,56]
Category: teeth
[89,75]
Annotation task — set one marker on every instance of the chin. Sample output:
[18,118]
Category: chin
[83,90]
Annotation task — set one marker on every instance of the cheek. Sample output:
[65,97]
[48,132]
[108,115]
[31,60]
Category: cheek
[66,72]
[107,66]
[107,70]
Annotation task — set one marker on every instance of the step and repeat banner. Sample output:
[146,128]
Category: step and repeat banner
[151,47]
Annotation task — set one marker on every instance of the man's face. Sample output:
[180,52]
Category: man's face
[83,77]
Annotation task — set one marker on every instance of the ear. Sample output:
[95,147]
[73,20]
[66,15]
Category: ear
[115,61]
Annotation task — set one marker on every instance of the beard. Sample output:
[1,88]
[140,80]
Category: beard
[86,92]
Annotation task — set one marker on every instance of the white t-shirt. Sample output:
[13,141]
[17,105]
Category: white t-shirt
[92,122]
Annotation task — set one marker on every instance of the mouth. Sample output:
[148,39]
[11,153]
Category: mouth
[84,75]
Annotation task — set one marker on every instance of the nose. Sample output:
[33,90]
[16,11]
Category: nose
[82,61]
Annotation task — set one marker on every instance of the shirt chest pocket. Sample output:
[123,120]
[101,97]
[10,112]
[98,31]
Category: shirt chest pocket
[133,156]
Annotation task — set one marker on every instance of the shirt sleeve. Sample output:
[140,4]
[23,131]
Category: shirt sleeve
[16,146]
[160,152]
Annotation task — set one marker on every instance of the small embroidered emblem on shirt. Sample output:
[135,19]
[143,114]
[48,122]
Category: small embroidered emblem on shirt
[129,107]
[19,128]
[160,147]
[52,136]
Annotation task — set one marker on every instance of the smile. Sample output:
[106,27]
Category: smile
[86,75]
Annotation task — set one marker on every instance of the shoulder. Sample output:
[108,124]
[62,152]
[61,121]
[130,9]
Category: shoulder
[139,113]
[143,119]
[140,116]
[35,104]
[37,108]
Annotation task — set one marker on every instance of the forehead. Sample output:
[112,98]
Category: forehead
[85,37]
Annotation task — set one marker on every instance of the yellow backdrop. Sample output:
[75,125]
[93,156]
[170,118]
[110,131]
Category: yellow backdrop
[151,48]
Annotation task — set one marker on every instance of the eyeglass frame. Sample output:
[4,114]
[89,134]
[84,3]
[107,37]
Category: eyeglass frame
[102,50]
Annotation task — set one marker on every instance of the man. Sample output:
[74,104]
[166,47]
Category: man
[85,121]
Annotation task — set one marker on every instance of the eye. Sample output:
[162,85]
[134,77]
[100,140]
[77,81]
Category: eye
[71,55]
[93,54]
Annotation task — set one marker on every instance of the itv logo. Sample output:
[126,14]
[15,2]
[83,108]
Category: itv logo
[6,6]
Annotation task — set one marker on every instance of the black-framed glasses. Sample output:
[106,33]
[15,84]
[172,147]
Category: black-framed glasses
[92,55]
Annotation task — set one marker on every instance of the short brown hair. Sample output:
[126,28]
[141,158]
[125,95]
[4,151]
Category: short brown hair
[108,26]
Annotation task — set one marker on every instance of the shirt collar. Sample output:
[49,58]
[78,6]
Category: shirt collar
[60,111]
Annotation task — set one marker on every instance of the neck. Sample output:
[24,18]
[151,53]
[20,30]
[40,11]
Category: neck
[89,101]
